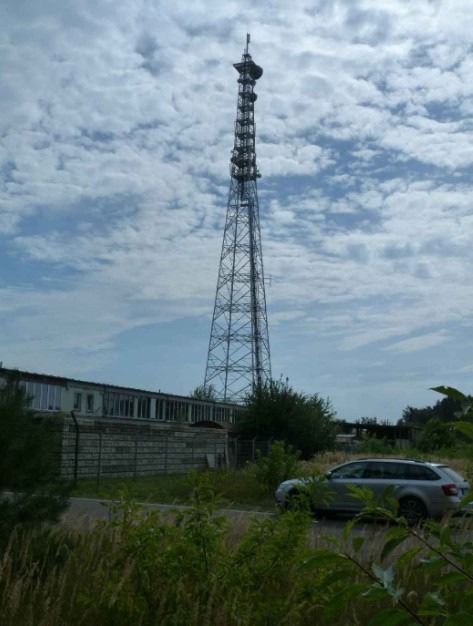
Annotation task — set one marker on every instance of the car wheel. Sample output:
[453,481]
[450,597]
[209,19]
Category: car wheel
[412,509]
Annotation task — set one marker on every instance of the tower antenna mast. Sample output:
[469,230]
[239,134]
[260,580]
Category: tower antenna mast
[238,358]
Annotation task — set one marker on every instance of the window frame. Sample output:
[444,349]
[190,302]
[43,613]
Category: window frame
[89,407]
[77,402]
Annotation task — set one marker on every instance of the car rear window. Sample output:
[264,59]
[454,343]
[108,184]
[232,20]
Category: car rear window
[418,472]
[452,473]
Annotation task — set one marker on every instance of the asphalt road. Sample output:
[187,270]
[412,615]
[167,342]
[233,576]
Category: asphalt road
[84,512]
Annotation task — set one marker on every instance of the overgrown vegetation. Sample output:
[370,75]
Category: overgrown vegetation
[444,410]
[197,568]
[30,491]
[270,470]
[276,411]
[247,488]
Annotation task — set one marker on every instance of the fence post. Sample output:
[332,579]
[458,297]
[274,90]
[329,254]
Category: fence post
[236,452]
[215,452]
[76,449]
[253,443]
[136,458]
[166,452]
[99,468]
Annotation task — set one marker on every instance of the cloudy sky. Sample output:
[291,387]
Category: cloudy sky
[116,122]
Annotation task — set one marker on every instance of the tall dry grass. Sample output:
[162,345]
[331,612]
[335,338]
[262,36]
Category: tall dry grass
[462,463]
[149,573]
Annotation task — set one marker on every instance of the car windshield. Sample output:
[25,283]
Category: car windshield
[452,474]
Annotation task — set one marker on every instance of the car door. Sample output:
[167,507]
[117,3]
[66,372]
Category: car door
[379,475]
[339,481]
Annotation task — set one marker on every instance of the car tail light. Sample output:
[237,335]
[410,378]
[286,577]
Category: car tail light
[450,490]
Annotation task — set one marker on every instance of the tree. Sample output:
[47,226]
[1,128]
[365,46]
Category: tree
[30,490]
[415,417]
[446,410]
[435,435]
[204,392]
[371,421]
[276,411]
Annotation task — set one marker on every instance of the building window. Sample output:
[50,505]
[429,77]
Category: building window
[222,414]
[119,404]
[160,409]
[201,412]
[143,407]
[43,397]
[77,401]
[176,411]
[90,402]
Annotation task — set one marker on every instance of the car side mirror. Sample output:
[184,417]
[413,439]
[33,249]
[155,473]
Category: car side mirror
[328,475]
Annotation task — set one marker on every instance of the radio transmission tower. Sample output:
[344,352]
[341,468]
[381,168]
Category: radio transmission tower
[239,358]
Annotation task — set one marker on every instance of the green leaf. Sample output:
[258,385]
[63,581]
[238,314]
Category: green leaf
[433,562]
[450,579]
[339,600]
[385,576]
[395,532]
[466,500]
[391,544]
[432,598]
[408,555]
[431,613]
[375,592]
[451,392]
[348,528]
[335,577]
[459,619]
[446,535]
[357,543]
[390,617]
[321,558]
[464,427]
[467,601]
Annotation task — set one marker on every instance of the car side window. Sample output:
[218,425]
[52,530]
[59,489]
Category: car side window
[419,472]
[383,470]
[352,470]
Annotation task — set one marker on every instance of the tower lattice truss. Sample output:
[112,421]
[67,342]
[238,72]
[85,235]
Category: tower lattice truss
[239,356]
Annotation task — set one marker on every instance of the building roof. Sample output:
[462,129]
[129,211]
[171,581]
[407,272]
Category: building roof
[63,381]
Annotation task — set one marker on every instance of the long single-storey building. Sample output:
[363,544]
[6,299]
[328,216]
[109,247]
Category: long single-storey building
[88,399]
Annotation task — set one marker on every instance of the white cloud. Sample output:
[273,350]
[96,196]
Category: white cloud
[419,343]
[115,134]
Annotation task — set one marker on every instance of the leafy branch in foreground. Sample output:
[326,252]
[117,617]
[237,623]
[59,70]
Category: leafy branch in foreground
[445,563]
[463,426]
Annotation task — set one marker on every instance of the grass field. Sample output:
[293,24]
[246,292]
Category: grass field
[200,569]
[238,488]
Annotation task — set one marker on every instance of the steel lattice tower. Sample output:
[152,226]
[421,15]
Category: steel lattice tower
[239,356]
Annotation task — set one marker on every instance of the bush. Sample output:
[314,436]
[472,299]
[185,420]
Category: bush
[28,466]
[280,464]
[276,411]
[373,445]
[435,436]
[149,569]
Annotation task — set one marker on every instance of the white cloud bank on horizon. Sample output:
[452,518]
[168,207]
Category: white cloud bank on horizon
[116,127]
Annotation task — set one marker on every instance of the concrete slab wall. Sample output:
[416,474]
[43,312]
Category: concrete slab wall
[130,447]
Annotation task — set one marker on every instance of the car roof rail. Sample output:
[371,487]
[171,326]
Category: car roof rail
[391,458]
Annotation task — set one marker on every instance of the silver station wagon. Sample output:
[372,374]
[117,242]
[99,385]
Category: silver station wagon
[422,489]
